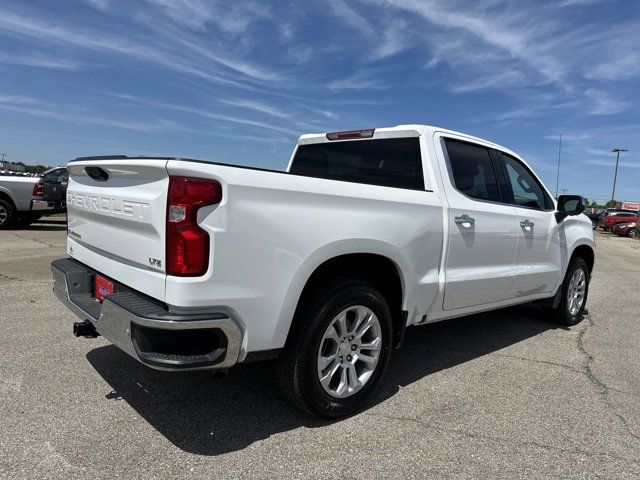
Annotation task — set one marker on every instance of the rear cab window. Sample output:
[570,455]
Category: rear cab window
[472,171]
[391,162]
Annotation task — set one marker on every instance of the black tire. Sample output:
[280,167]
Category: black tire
[562,314]
[7,214]
[26,219]
[632,232]
[296,369]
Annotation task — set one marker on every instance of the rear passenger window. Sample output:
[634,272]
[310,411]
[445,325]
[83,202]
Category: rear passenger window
[472,170]
[393,162]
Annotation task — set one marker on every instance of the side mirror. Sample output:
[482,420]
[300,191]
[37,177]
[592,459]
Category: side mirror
[569,205]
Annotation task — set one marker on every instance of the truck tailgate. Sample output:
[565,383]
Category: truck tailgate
[117,213]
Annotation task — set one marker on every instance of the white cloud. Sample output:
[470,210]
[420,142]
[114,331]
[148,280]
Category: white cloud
[361,80]
[99,4]
[83,118]
[603,103]
[611,163]
[572,3]
[209,114]
[258,107]
[40,61]
[18,99]
[232,17]
[503,80]
[351,17]
[157,54]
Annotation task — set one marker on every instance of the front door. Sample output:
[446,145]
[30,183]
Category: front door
[537,265]
[483,230]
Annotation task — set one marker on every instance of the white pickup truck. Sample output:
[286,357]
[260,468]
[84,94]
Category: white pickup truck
[187,264]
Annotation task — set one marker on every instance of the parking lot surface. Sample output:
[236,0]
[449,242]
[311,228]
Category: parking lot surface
[505,394]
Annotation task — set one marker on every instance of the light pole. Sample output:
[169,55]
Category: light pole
[558,171]
[615,175]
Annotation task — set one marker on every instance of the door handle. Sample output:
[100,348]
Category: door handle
[527,224]
[464,220]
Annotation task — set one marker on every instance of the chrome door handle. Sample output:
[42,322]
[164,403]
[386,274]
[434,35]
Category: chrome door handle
[527,224]
[464,220]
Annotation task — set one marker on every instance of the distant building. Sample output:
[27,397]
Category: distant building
[628,205]
[14,167]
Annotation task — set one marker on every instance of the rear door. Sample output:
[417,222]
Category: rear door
[481,250]
[537,265]
[117,213]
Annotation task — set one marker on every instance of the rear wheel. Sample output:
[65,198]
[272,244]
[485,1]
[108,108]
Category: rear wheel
[632,232]
[339,350]
[7,214]
[575,289]
[26,219]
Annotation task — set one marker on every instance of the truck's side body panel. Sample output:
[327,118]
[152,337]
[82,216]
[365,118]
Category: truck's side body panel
[291,225]
[19,190]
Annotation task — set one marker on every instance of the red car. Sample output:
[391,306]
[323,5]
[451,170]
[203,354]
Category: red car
[626,229]
[609,220]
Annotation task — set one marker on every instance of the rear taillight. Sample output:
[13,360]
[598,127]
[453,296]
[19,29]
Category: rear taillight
[187,243]
[38,189]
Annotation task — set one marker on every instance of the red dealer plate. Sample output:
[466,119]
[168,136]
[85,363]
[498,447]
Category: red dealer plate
[103,287]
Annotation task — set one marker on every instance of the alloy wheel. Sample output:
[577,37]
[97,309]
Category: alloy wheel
[576,291]
[349,351]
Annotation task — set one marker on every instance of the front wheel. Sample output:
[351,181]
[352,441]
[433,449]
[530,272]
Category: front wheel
[338,350]
[632,232]
[575,289]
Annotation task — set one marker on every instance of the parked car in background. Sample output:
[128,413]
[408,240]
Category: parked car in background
[626,229]
[609,219]
[594,217]
[55,182]
[21,201]
[187,264]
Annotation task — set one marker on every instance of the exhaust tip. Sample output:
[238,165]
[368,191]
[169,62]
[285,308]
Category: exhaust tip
[85,329]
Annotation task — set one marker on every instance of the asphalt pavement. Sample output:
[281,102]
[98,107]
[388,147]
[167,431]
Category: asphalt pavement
[506,394]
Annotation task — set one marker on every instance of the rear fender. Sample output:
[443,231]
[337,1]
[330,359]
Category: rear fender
[325,253]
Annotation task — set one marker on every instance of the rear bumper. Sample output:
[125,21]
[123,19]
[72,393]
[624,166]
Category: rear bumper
[40,205]
[147,330]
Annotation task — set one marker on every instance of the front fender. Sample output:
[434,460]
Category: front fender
[574,233]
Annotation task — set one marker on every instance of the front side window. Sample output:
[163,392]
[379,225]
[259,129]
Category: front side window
[472,170]
[527,191]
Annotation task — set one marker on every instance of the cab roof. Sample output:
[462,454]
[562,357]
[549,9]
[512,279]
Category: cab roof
[408,130]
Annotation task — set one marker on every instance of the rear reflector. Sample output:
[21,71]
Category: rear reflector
[351,134]
[187,248]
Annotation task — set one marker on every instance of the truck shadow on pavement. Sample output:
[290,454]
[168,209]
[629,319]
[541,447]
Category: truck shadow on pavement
[207,416]
[56,225]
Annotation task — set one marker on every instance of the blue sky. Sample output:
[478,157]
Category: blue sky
[239,81]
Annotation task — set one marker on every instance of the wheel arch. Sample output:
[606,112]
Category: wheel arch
[376,265]
[587,253]
[7,197]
